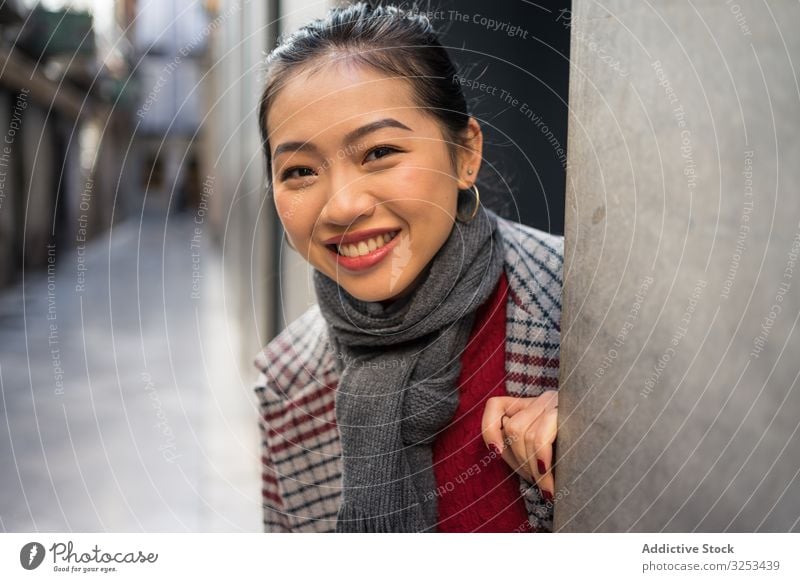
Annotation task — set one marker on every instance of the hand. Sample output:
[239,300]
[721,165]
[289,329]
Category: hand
[523,430]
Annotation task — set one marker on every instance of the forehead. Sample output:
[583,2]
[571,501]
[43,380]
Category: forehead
[336,95]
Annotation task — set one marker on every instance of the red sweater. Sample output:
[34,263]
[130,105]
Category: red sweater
[478,491]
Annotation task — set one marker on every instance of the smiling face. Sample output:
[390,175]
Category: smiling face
[362,177]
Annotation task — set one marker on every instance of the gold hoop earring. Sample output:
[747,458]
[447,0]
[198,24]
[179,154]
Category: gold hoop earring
[477,206]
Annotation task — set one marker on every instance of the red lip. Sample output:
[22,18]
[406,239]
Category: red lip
[366,261]
[354,237]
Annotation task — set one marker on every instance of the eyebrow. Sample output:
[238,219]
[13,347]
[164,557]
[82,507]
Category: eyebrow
[348,139]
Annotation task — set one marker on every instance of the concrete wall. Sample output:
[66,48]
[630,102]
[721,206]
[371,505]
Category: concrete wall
[680,405]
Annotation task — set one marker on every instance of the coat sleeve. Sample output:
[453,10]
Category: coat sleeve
[275,519]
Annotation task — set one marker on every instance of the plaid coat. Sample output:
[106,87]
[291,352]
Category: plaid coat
[301,451]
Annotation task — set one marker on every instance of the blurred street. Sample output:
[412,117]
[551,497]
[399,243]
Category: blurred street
[118,408]
[139,266]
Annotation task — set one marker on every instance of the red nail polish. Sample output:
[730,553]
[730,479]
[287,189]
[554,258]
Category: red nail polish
[541,467]
[547,496]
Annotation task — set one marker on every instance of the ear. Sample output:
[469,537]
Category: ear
[470,155]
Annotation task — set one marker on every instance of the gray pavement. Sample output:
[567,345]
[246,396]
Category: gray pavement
[124,403]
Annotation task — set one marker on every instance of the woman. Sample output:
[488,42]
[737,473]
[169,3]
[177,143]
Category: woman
[419,393]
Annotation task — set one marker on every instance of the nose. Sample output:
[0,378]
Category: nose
[347,203]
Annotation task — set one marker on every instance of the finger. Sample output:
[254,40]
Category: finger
[492,421]
[516,464]
[517,426]
[533,406]
[539,445]
[514,404]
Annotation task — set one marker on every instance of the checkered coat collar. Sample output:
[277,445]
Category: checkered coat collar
[301,464]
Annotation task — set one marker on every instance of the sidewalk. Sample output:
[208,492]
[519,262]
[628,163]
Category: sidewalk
[122,405]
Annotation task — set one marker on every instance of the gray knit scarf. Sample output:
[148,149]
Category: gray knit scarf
[398,370]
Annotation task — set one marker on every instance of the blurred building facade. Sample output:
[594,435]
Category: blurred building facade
[65,103]
[171,42]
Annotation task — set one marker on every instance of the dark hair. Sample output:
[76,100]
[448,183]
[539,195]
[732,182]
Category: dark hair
[392,40]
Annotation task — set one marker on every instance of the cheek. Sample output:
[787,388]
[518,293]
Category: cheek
[283,205]
[427,203]
[423,190]
[430,223]
[296,213]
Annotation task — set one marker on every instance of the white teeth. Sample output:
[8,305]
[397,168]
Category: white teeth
[365,247]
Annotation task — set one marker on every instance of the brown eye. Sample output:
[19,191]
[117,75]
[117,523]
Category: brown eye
[290,173]
[384,150]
